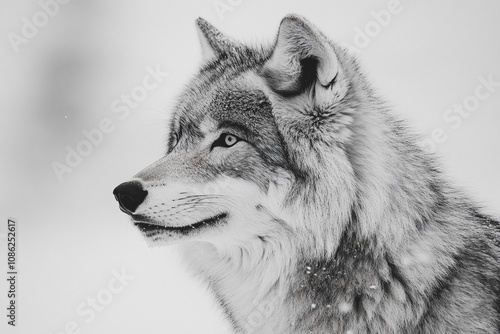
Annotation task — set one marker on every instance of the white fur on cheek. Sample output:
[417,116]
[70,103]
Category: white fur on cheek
[181,204]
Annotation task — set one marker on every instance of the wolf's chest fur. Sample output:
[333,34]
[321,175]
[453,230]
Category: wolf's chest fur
[358,290]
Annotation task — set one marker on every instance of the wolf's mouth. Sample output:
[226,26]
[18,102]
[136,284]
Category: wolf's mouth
[147,227]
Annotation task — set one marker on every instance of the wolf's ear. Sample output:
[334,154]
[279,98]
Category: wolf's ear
[213,42]
[302,56]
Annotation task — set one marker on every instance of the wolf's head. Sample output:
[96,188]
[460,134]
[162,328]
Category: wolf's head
[259,145]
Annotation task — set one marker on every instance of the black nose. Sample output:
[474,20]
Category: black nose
[130,195]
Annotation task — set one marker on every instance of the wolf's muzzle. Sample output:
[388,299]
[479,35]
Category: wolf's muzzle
[130,195]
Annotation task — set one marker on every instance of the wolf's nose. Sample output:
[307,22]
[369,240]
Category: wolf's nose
[130,195]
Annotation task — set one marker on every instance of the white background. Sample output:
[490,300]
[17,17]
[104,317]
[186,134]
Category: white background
[71,233]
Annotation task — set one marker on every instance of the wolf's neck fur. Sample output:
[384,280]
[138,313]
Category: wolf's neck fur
[343,276]
[370,240]
[265,283]
[250,281]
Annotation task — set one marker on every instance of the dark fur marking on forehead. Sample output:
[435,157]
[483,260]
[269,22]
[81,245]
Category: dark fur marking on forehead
[252,110]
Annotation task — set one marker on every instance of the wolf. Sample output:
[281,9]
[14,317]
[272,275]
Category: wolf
[306,204]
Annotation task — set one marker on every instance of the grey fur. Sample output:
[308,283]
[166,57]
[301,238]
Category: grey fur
[384,245]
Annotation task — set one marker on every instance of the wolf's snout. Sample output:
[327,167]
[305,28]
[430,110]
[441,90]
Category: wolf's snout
[130,195]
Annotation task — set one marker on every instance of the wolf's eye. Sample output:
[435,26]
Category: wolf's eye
[225,140]
[230,140]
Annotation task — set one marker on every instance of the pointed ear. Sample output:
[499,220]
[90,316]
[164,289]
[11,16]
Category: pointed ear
[213,42]
[302,56]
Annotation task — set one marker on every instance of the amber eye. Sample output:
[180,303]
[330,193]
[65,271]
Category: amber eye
[226,140]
